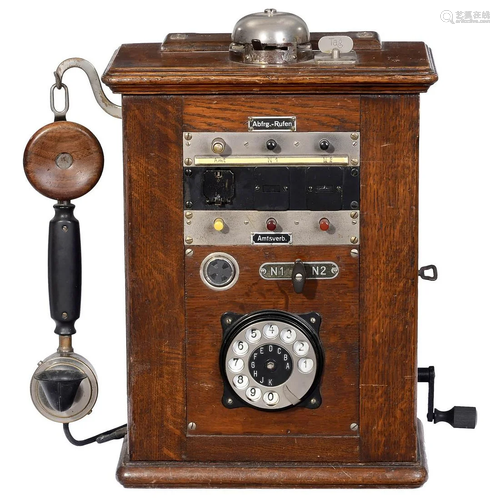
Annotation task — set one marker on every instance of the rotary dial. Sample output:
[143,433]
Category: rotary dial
[271,363]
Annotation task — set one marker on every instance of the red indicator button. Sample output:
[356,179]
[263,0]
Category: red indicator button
[271,224]
[324,224]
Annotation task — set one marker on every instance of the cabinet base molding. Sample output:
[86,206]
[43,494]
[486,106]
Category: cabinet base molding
[159,474]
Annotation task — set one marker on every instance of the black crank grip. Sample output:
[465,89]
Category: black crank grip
[65,269]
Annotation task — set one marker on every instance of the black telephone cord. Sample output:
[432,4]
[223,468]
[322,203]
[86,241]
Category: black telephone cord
[116,433]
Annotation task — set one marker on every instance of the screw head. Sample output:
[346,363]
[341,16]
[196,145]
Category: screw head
[354,426]
[229,401]
[313,320]
[188,161]
[188,136]
[354,239]
[189,240]
[354,161]
[314,401]
[354,136]
[354,215]
[354,252]
[189,252]
[191,426]
[189,215]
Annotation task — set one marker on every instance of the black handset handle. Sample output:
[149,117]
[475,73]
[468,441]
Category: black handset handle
[65,269]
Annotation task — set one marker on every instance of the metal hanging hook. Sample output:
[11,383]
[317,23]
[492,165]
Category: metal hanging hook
[77,62]
[59,115]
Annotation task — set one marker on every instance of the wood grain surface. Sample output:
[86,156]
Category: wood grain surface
[335,300]
[396,67]
[369,320]
[154,277]
[227,474]
[85,165]
[230,113]
[388,277]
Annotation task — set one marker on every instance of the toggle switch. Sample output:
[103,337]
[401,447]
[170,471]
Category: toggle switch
[298,276]
[219,224]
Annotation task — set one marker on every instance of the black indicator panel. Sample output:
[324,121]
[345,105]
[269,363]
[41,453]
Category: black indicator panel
[281,188]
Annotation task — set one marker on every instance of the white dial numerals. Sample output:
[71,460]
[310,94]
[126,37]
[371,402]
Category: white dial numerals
[240,381]
[288,335]
[253,335]
[270,331]
[236,365]
[271,398]
[240,347]
[300,348]
[253,393]
[305,365]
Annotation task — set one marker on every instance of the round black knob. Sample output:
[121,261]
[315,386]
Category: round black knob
[271,144]
[324,144]
[461,417]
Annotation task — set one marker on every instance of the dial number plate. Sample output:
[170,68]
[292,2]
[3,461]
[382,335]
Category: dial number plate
[271,364]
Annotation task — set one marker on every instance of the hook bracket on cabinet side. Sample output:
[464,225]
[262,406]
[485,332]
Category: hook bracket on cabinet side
[77,62]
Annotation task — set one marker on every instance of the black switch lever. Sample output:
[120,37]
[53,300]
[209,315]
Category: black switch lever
[460,417]
[298,276]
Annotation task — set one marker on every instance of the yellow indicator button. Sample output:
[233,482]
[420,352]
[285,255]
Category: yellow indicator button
[219,224]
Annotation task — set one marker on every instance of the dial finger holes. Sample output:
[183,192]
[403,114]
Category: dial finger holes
[288,335]
[271,398]
[240,381]
[236,365]
[301,348]
[253,393]
[269,363]
[305,365]
[240,347]
[253,335]
[270,331]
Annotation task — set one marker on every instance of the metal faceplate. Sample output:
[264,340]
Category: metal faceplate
[252,148]
[294,227]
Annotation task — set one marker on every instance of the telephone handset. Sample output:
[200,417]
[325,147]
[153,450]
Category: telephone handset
[64,161]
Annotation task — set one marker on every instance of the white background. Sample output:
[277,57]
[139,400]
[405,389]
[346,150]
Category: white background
[459,220]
